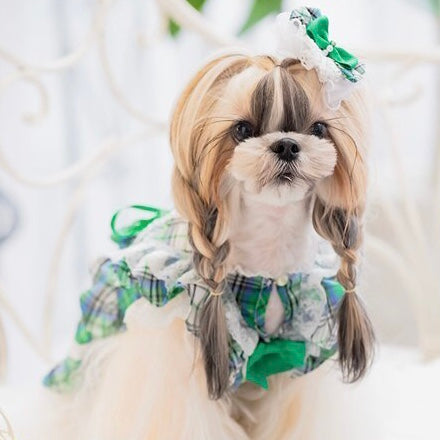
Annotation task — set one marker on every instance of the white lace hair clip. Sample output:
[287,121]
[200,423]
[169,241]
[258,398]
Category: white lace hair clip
[303,34]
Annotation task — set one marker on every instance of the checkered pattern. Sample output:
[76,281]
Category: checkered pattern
[252,294]
[158,266]
[64,376]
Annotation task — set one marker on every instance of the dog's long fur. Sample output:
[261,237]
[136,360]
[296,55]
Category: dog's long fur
[279,99]
[246,211]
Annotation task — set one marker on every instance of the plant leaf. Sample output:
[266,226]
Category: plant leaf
[432,5]
[435,4]
[259,10]
[173,27]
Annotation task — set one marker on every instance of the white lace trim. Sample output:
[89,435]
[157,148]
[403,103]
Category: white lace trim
[246,337]
[293,42]
[176,267]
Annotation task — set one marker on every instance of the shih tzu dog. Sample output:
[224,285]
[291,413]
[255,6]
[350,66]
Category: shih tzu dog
[220,310]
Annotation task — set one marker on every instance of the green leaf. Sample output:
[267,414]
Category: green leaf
[173,27]
[432,5]
[259,10]
[435,4]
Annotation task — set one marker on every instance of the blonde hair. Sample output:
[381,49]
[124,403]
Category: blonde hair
[201,155]
[338,217]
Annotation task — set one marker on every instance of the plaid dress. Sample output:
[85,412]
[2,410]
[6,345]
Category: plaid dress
[157,266]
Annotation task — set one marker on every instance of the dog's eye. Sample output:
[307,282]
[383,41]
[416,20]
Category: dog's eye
[319,129]
[242,130]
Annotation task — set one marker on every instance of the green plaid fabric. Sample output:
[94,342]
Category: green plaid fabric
[157,266]
[64,376]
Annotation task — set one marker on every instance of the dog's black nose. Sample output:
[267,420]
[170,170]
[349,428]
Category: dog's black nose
[286,149]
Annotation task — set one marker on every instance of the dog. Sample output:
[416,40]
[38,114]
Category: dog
[221,311]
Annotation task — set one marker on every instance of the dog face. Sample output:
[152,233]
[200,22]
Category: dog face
[282,144]
[259,126]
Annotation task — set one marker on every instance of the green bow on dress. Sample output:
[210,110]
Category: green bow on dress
[317,30]
[274,357]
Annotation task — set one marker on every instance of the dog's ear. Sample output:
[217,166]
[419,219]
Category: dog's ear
[337,216]
[202,146]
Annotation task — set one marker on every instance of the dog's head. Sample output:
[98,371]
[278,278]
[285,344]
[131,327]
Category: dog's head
[258,126]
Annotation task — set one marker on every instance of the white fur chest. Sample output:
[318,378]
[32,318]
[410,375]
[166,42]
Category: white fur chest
[272,241]
[274,312]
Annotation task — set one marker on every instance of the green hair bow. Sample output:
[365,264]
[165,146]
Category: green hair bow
[317,26]
[317,30]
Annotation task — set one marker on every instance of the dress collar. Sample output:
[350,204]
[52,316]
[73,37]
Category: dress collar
[252,296]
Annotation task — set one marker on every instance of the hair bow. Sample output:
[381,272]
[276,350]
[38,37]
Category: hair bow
[304,34]
[317,30]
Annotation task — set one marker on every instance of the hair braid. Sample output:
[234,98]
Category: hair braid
[202,152]
[355,332]
[211,250]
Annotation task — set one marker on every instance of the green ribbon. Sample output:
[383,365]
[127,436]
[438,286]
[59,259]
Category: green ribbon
[317,30]
[273,357]
[128,233]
